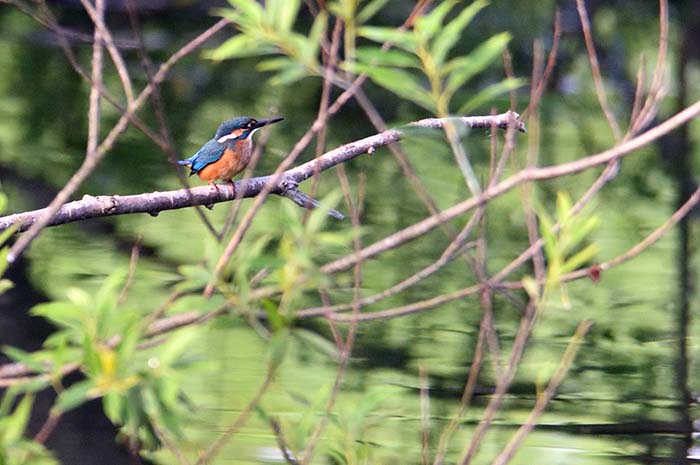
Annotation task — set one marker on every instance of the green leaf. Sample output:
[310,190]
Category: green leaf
[450,34]
[106,299]
[91,359]
[402,39]
[15,425]
[461,69]
[251,12]
[580,231]
[196,277]
[318,342]
[113,404]
[547,233]
[5,284]
[375,56]
[319,216]
[428,25]
[63,314]
[176,345]
[277,348]
[371,9]
[531,287]
[275,64]
[239,46]
[131,335]
[288,76]
[574,262]
[283,13]
[75,395]
[19,355]
[165,412]
[317,29]
[489,93]
[6,234]
[274,318]
[564,207]
[399,82]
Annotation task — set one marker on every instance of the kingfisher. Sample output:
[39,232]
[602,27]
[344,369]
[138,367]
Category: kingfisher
[229,152]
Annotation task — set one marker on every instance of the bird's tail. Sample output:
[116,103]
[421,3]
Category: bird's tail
[184,162]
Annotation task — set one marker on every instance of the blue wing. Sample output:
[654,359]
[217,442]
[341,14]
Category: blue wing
[211,152]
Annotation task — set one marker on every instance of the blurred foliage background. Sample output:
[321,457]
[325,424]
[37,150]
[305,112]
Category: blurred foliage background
[629,395]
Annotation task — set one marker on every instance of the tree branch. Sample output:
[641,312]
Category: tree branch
[155,202]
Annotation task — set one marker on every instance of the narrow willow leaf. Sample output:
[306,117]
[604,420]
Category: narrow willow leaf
[401,39]
[578,259]
[19,355]
[401,83]
[547,233]
[252,12]
[301,48]
[15,425]
[375,56]
[371,9]
[5,285]
[277,348]
[113,404]
[451,33]
[176,345]
[489,93]
[290,75]
[319,216]
[275,64]
[75,395]
[317,30]
[239,46]
[62,314]
[428,25]
[461,69]
[318,343]
[531,287]
[6,234]
[283,13]
[564,207]
[580,231]
[108,293]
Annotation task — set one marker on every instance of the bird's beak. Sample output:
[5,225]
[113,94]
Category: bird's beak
[266,121]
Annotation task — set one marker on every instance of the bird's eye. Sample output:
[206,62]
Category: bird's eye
[252,123]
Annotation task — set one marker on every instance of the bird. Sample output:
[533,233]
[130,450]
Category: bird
[229,152]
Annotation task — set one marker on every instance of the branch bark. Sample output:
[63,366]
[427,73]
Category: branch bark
[155,202]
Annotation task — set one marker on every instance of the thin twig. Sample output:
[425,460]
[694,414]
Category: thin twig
[242,417]
[546,396]
[526,324]
[467,393]
[595,70]
[48,427]
[424,414]
[96,13]
[133,260]
[286,451]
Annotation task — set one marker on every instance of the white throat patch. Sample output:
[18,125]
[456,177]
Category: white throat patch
[227,137]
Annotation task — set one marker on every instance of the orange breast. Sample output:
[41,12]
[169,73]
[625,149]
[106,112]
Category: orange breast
[230,164]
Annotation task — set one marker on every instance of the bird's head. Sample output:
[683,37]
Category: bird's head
[241,128]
